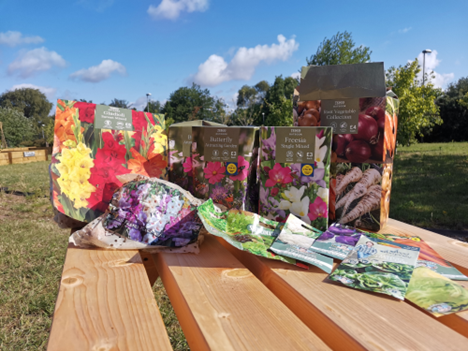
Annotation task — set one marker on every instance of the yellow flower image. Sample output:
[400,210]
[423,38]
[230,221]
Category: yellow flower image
[75,169]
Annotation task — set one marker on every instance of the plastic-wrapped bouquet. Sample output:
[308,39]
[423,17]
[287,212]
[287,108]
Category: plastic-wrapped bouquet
[145,213]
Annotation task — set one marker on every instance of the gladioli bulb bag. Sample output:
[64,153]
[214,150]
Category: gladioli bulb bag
[145,213]
[93,145]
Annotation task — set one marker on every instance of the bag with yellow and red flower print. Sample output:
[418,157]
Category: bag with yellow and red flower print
[295,173]
[93,144]
[224,164]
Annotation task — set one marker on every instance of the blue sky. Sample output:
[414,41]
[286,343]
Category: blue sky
[104,49]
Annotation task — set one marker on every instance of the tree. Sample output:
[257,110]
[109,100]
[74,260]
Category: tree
[249,96]
[120,103]
[187,104]
[418,111]
[339,50]
[154,107]
[453,106]
[278,102]
[16,127]
[32,103]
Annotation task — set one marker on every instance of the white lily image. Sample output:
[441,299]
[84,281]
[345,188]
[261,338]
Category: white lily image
[320,156]
[323,193]
[301,209]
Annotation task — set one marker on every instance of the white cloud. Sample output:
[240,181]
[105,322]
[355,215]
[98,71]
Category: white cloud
[100,72]
[216,70]
[47,91]
[140,103]
[441,79]
[36,60]
[171,9]
[404,30]
[296,75]
[12,39]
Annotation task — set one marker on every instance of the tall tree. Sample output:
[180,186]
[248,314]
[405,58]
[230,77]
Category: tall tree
[453,106]
[339,50]
[278,102]
[153,107]
[32,103]
[186,104]
[119,103]
[16,127]
[418,111]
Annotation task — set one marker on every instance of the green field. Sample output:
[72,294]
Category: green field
[429,190]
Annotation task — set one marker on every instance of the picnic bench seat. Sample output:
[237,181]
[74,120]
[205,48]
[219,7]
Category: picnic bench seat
[226,299]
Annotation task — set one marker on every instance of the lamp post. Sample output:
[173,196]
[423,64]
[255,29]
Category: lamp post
[427,51]
[263,113]
[147,101]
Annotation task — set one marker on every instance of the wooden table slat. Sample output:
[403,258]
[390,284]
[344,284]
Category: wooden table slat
[222,306]
[105,302]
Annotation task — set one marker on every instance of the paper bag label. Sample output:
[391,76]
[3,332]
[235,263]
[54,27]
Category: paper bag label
[108,117]
[221,144]
[295,145]
[341,114]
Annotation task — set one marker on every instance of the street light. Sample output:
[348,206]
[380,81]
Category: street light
[147,101]
[427,51]
[263,113]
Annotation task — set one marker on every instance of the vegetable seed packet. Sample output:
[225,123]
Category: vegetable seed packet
[337,241]
[428,257]
[295,241]
[436,293]
[244,230]
[378,265]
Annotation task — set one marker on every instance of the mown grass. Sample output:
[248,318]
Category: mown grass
[429,190]
[430,185]
[32,253]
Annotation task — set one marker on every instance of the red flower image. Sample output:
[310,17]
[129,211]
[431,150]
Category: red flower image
[242,169]
[86,111]
[188,165]
[112,154]
[274,191]
[214,172]
[140,124]
[155,166]
[318,209]
[279,176]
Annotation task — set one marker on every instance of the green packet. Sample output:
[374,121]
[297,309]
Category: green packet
[244,230]
[295,241]
[436,293]
[378,265]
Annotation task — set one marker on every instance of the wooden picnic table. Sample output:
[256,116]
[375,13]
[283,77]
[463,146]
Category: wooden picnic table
[226,299]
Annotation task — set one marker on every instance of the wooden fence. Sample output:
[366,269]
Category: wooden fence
[23,155]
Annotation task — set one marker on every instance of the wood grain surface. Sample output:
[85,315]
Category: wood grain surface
[349,319]
[105,302]
[222,306]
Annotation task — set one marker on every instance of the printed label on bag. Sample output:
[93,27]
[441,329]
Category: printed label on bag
[295,145]
[341,114]
[108,117]
[186,141]
[231,168]
[307,170]
[221,144]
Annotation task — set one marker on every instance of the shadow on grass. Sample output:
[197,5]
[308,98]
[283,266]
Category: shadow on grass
[431,190]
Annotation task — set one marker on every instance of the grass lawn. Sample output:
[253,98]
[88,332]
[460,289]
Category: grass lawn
[429,189]
[430,185]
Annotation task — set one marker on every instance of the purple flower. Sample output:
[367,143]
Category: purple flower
[263,195]
[348,240]
[270,143]
[218,193]
[326,236]
[134,234]
[317,177]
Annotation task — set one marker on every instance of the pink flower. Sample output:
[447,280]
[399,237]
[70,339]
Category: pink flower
[188,165]
[279,176]
[274,191]
[318,209]
[241,174]
[214,172]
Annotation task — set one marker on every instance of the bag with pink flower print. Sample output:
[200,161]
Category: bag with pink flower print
[224,164]
[294,173]
[180,152]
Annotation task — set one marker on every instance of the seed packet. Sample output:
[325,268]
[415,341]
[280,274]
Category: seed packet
[295,241]
[337,241]
[378,265]
[294,173]
[428,257]
[224,163]
[244,230]
[436,293]
[154,212]
[93,145]
[180,152]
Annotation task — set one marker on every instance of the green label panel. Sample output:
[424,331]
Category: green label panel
[108,117]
